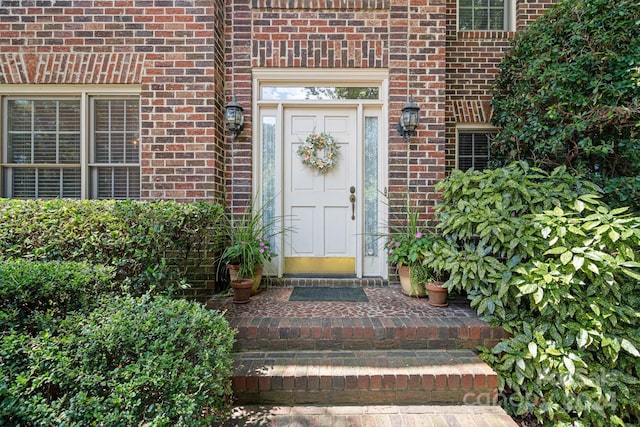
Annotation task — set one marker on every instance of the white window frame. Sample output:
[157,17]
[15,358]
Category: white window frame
[474,128]
[85,93]
[509,17]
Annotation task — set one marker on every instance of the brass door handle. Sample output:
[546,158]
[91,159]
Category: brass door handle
[352,199]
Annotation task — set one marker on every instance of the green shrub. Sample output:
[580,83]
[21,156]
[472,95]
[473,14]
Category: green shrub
[150,244]
[34,293]
[621,192]
[133,361]
[568,91]
[540,255]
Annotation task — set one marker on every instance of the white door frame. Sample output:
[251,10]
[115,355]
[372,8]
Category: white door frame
[272,110]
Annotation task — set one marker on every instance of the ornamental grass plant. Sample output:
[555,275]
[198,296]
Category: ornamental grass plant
[250,239]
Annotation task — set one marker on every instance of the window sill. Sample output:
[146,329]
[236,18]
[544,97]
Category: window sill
[485,35]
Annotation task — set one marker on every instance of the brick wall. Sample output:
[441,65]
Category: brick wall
[405,37]
[472,64]
[528,11]
[172,49]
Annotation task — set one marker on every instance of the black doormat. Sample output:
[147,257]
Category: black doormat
[328,294]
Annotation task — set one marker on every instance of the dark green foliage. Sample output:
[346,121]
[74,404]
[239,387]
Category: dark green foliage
[132,361]
[569,91]
[32,294]
[150,244]
[622,191]
[539,254]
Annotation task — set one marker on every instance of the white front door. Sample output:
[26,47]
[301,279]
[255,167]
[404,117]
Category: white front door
[318,207]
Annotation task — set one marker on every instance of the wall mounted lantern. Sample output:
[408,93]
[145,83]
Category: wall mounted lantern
[234,119]
[408,119]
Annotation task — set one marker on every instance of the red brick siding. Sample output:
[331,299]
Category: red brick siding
[172,49]
[405,37]
[528,11]
[183,53]
[472,64]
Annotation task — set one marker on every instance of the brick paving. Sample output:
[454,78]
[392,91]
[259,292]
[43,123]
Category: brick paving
[391,356]
[369,416]
[389,320]
[364,377]
[383,302]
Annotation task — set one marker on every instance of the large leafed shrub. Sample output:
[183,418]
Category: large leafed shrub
[539,254]
[132,361]
[150,244]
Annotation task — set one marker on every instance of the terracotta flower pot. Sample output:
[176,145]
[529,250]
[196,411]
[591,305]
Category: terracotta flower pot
[437,294]
[404,272]
[257,276]
[241,290]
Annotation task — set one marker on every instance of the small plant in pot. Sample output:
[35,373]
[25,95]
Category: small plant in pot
[425,277]
[242,259]
[432,270]
[248,246]
[406,245]
[407,252]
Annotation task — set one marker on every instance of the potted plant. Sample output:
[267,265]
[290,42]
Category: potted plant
[248,245]
[431,272]
[406,245]
[245,257]
[407,252]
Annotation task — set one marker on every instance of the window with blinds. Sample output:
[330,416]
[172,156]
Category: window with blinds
[491,15]
[43,149]
[44,145]
[115,167]
[473,150]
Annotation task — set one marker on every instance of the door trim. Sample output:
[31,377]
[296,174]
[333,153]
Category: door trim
[366,266]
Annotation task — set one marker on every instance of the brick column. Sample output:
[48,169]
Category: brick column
[417,68]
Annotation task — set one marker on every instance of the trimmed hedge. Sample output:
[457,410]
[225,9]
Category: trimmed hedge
[32,294]
[539,254]
[151,245]
[133,361]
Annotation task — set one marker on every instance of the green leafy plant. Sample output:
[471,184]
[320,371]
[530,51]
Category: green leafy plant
[150,245]
[132,361]
[568,92]
[34,294]
[423,273]
[250,236]
[409,238]
[539,254]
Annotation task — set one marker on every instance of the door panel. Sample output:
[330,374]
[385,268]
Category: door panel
[318,205]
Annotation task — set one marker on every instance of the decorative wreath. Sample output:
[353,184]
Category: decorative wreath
[308,152]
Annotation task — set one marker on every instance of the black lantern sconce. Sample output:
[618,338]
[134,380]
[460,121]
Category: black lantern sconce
[234,119]
[408,122]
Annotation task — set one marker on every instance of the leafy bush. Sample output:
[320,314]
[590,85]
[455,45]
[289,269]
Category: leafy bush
[568,92]
[539,254]
[568,89]
[133,361]
[150,244]
[622,191]
[32,294]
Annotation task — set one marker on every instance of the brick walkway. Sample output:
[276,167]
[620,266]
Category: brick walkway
[383,302]
[370,416]
[281,342]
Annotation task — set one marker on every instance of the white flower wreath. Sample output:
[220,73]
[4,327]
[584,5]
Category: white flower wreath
[308,152]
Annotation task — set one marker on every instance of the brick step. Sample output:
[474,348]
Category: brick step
[382,415]
[363,333]
[363,377]
[332,282]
